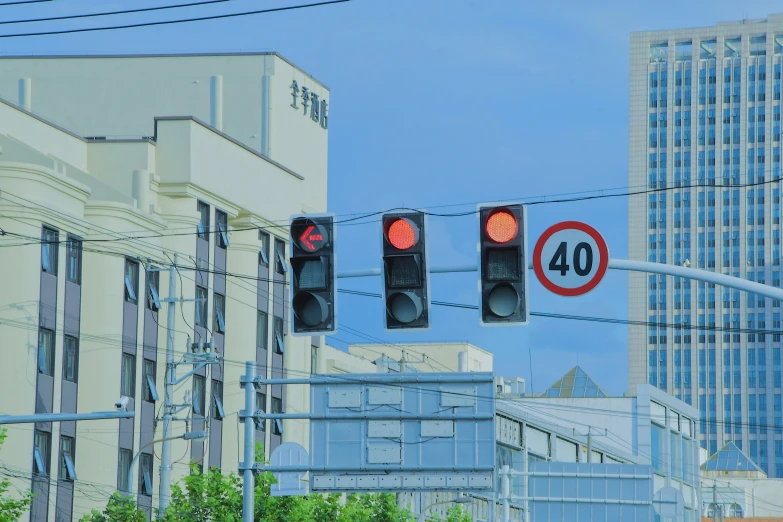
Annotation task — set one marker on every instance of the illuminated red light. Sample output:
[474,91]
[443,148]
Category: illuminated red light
[401,234]
[502,226]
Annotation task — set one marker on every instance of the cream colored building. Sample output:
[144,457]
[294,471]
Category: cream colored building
[135,171]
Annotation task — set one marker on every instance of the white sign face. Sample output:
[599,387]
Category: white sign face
[570,258]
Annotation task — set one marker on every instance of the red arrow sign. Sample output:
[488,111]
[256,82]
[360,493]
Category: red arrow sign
[308,239]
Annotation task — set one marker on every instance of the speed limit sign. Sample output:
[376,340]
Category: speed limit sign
[570,258]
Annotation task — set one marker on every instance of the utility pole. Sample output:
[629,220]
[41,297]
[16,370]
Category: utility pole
[165,456]
[250,439]
[589,444]
[716,515]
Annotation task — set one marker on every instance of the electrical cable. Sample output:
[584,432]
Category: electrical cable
[110,13]
[23,2]
[168,22]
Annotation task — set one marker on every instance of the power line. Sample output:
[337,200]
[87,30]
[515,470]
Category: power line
[110,13]
[168,22]
[23,2]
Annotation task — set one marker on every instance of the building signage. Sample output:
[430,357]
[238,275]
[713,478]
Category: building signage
[309,100]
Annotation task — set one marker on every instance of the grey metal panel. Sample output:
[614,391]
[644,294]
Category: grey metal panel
[261,361]
[219,280]
[202,254]
[130,323]
[147,423]
[126,427]
[44,394]
[68,428]
[275,442]
[197,447]
[73,309]
[220,343]
[64,506]
[277,373]
[68,396]
[280,297]
[39,511]
[263,288]
[47,316]
[215,443]
[145,503]
[217,371]
[315,341]
[150,334]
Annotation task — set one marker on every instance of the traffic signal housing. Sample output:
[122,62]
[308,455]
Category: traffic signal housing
[405,271]
[503,251]
[313,288]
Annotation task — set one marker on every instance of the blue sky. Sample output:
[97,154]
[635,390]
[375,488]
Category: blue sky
[445,102]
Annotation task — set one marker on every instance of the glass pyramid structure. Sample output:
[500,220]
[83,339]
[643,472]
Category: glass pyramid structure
[576,383]
[729,458]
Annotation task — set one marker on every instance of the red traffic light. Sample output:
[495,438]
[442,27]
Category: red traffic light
[501,226]
[401,233]
[312,238]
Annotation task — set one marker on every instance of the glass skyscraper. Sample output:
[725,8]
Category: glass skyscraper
[705,142]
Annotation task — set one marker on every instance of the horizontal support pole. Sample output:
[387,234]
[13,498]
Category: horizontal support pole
[585,500]
[371,416]
[380,468]
[62,417]
[382,379]
[574,475]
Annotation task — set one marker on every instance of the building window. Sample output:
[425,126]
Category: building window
[131,281]
[150,390]
[199,394]
[219,321]
[263,251]
[262,325]
[71,359]
[128,375]
[73,255]
[221,219]
[280,264]
[49,245]
[201,306]
[279,336]
[203,222]
[261,406]
[217,400]
[145,474]
[277,424]
[153,289]
[41,451]
[67,468]
[46,352]
[123,467]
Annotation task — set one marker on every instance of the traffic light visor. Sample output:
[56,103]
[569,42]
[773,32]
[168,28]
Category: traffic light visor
[401,233]
[501,226]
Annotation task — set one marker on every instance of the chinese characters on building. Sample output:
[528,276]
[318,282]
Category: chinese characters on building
[310,100]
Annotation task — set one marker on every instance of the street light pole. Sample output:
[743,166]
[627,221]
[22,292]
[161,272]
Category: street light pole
[461,499]
[195,435]
[165,455]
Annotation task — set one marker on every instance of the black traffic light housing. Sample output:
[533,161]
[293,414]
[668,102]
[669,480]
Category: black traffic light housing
[313,287]
[405,271]
[503,250]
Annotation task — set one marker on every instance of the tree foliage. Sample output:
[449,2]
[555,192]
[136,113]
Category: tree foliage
[119,509]
[11,508]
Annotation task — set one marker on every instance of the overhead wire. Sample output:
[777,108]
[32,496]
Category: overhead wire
[178,21]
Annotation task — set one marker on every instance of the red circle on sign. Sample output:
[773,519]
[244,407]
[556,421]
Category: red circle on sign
[603,251]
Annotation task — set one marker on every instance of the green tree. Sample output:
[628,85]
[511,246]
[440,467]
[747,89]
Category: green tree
[119,509]
[11,508]
[454,514]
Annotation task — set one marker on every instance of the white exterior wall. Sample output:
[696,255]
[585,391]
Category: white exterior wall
[84,187]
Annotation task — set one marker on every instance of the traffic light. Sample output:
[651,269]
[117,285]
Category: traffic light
[405,281]
[503,264]
[312,279]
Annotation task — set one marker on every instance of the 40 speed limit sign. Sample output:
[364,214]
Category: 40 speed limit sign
[570,258]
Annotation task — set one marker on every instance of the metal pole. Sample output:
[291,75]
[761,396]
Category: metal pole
[525,479]
[165,455]
[505,490]
[248,501]
[589,444]
[62,417]
[715,516]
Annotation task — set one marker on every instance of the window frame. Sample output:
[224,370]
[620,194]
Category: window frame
[218,313]
[73,251]
[218,412]
[201,306]
[261,424]
[74,378]
[202,228]
[128,382]
[150,393]
[124,457]
[145,475]
[131,278]
[46,356]
[50,246]
[262,339]
[281,267]
[263,250]
[221,223]
[153,289]
[277,424]
[199,395]
[279,336]
[41,454]
[67,468]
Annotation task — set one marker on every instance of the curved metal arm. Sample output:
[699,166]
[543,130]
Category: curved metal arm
[193,435]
